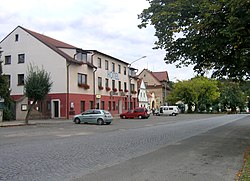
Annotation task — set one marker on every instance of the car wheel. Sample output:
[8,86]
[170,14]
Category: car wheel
[100,122]
[123,117]
[140,117]
[77,121]
[173,114]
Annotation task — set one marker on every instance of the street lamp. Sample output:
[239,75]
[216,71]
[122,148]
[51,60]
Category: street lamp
[1,68]
[129,77]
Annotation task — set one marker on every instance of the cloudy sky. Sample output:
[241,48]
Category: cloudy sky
[109,26]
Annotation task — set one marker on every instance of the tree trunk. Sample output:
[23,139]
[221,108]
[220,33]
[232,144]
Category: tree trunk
[28,113]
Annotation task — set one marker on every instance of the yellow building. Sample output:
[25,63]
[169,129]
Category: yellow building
[157,86]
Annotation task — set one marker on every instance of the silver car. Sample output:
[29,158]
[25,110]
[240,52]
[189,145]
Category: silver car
[96,116]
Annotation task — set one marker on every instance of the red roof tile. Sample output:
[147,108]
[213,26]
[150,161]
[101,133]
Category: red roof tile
[55,45]
[51,41]
[161,76]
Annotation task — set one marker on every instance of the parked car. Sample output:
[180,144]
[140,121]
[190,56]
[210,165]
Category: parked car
[140,112]
[96,116]
[169,110]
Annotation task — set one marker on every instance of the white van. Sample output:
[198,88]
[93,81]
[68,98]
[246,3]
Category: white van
[169,110]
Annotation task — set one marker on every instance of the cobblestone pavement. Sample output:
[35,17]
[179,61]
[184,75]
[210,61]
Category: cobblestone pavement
[66,155]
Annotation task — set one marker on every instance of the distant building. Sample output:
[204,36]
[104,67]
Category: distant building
[156,84]
[82,79]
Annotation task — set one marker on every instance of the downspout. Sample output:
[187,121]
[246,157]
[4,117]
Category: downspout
[67,99]
[94,70]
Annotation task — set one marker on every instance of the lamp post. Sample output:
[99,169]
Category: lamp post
[1,69]
[129,77]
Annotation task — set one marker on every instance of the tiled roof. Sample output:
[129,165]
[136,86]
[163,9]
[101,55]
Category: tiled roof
[54,45]
[48,40]
[161,76]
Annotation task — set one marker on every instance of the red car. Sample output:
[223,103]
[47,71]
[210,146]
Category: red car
[140,112]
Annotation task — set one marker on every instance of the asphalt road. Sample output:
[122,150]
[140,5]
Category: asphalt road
[161,148]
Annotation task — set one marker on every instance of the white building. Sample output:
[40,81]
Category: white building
[142,95]
[79,77]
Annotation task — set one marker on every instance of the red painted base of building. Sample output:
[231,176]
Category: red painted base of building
[67,105]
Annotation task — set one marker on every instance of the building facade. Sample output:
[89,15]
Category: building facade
[82,79]
[142,95]
[156,84]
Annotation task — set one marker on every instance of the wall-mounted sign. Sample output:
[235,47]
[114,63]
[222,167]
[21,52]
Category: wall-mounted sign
[112,93]
[98,96]
[113,75]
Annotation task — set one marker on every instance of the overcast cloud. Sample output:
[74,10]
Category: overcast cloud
[109,26]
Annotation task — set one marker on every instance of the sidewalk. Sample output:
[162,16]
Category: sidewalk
[40,121]
[33,122]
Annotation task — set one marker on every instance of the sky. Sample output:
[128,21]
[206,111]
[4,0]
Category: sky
[109,26]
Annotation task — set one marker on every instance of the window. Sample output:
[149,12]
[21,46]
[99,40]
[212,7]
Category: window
[99,62]
[119,68]
[109,108]
[106,65]
[98,106]
[103,105]
[20,79]
[82,79]
[99,81]
[119,85]
[16,37]
[7,59]
[113,84]
[132,87]
[21,58]
[91,104]
[82,106]
[125,86]
[8,79]
[125,71]
[81,56]
[114,105]
[113,66]
[48,106]
[106,82]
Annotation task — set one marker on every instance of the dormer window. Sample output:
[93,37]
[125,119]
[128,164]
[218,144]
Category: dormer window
[16,37]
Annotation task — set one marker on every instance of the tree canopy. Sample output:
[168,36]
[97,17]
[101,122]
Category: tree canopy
[203,94]
[210,34]
[37,85]
[199,92]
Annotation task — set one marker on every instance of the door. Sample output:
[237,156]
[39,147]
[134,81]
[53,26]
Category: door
[86,116]
[55,109]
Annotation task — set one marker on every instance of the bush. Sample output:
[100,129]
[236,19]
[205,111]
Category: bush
[7,114]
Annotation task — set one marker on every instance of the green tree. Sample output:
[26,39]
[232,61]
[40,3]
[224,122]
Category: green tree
[183,91]
[5,94]
[211,34]
[232,96]
[200,92]
[245,87]
[207,91]
[37,85]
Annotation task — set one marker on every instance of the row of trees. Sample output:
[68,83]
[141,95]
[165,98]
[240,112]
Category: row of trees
[204,94]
